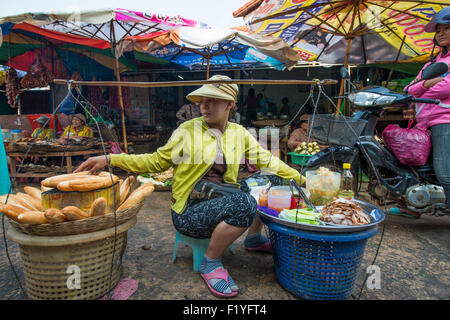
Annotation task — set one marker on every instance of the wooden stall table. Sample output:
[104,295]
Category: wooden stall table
[67,154]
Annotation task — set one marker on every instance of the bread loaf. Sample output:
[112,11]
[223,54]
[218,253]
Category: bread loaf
[7,212]
[137,196]
[34,192]
[52,182]
[45,188]
[37,204]
[124,190]
[19,201]
[87,184]
[73,213]
[32,217]
[54,215]
[98,207]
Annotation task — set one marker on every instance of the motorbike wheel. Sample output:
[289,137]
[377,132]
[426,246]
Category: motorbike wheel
[337,167]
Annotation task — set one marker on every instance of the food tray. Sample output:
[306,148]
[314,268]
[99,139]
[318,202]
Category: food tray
[373,211]
[79,226]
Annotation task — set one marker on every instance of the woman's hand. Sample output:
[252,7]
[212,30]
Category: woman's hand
[429,83]
[93,164]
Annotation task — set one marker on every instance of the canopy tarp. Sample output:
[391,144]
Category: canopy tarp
[189,46]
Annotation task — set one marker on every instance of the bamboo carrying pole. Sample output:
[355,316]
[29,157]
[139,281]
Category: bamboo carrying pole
[189,83]
[119,88]
[396,60]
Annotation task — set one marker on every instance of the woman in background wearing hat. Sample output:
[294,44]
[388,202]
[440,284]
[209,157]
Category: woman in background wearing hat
[300,135]
[209,148]
[43,130]
[78,127]
[437,117]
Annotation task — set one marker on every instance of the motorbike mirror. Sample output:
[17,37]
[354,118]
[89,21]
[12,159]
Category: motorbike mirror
[344,72]
[434,70]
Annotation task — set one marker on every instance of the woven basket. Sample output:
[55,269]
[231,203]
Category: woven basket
[79,226]
[52,265]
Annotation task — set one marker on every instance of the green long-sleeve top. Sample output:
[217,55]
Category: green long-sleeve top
[192,150]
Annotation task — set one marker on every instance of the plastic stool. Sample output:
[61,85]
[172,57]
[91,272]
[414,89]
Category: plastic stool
[198,246]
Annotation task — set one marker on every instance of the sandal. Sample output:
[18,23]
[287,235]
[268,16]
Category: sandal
[263,248]
[218,273]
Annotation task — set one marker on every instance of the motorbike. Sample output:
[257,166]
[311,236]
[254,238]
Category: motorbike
[415,189]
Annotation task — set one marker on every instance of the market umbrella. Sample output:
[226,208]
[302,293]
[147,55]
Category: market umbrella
[189,46]
[347,31]
[106,27]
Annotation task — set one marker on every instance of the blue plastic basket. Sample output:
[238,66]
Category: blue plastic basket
[315,265]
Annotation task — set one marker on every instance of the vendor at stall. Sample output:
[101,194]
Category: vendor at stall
[187,112]
[300,135]
[43,131]
[222,146]
[78,127]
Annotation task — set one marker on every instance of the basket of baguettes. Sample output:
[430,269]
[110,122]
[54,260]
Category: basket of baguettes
[75,203]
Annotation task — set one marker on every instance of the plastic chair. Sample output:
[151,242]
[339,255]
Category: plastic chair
[198,246]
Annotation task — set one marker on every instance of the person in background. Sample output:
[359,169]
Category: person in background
[187,112]
[436,117]
[300,135]
[43,130]
[285,108]
[262,107]
[78,127]
[250,106]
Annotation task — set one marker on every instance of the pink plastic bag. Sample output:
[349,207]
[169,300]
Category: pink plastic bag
[410,146]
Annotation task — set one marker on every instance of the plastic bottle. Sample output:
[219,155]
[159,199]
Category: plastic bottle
[346,189]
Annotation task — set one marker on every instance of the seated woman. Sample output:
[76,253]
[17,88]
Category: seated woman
[78,127]
[209,148]
[300,135]
[43,130]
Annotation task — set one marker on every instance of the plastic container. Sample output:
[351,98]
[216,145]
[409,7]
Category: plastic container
[323,184]
[6,134]
[300,159]
[279,198]
[16,134]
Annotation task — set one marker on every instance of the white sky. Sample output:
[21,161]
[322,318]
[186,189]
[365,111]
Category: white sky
[217,13]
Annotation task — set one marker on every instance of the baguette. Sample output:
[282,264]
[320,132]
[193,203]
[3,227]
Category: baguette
[137,196]
[14,208]
[18,199]
[54,215]
[105,174]
[98,207]
[37,204]
[45,188]
[52,182]
[87,184]
[7,212]
[124,190]
[73,213]
[34,192]
[32,217]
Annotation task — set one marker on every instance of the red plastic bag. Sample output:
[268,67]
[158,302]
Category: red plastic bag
[410,146]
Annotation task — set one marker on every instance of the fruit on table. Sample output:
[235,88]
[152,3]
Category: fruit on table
[310,148]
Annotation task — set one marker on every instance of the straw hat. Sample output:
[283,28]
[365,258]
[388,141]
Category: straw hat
[304,117]
[224,91]
[42,119]
[79,116]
